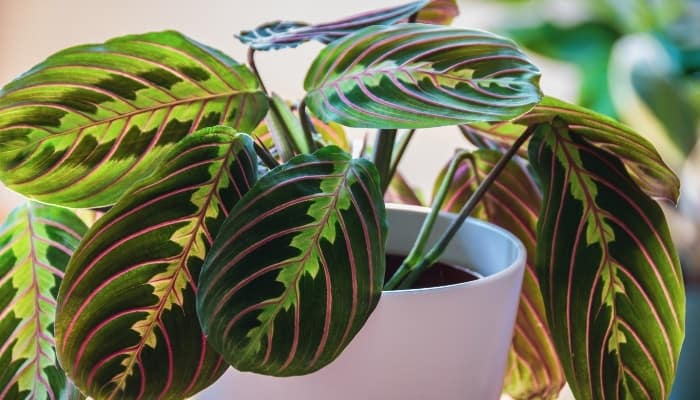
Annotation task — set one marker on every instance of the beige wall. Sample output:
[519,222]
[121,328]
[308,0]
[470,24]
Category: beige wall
[30,30]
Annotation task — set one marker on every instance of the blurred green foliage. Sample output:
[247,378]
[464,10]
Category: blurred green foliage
[639,60]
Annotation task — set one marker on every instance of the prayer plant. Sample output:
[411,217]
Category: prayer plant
[181,219]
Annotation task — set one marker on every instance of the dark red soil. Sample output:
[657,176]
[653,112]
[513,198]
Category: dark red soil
[437,275]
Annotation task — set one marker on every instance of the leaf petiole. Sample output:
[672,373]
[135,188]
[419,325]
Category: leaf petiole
[381,155]
[419,262]
[416,254]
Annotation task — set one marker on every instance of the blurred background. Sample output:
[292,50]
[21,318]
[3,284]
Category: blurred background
[636,60]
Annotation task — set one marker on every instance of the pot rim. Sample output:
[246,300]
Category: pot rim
[517,263]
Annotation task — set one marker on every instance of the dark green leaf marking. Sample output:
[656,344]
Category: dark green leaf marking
[298,266]
[419,76]
[36,243]
[126,324]
[643,162]
[609,274]
[80,128]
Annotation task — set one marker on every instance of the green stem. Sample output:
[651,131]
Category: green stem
[251,63]
[438,249]
[265,154]
[284,146]
[307,126]
[398,154]
[383,149]
[416,253]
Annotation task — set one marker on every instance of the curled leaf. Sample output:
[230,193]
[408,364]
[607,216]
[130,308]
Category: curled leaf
[283,34]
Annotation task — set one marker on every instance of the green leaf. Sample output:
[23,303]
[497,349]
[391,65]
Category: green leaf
[328,134]
[291,124]
[639,156]
[331,133]
[512,202]
[283,128]
[418,76]
[80,128]
[285,34]
[298,266]
[36,242]
[126,324]
[498,135]
[610,277]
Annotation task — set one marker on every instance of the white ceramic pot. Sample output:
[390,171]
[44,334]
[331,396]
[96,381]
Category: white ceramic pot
[447,342]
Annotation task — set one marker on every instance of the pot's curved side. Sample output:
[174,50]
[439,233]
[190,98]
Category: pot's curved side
[449,342]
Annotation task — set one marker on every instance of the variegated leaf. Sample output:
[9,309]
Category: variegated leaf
[610,277]
[639,156]
[512,202]
[36,243]
[298,266]
[126,324]
[283,34]
[418,76]
[80,128]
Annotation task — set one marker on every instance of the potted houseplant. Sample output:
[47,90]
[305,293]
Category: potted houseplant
[269,253]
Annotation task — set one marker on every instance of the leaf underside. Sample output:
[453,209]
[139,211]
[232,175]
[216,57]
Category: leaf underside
[126,324]
[36,243]
[285,34]
[512,203]
[611,281]
[298,266]
[80,128]
[419,76]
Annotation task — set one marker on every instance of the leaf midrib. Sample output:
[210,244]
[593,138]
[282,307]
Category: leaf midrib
[301,258]
[38,334]
[181,262]
[592,208]
[128,115]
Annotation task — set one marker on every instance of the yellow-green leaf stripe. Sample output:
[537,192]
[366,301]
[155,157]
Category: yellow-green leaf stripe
[36,242]
[298,266]
[126,325]
[80,128]
[609,274]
